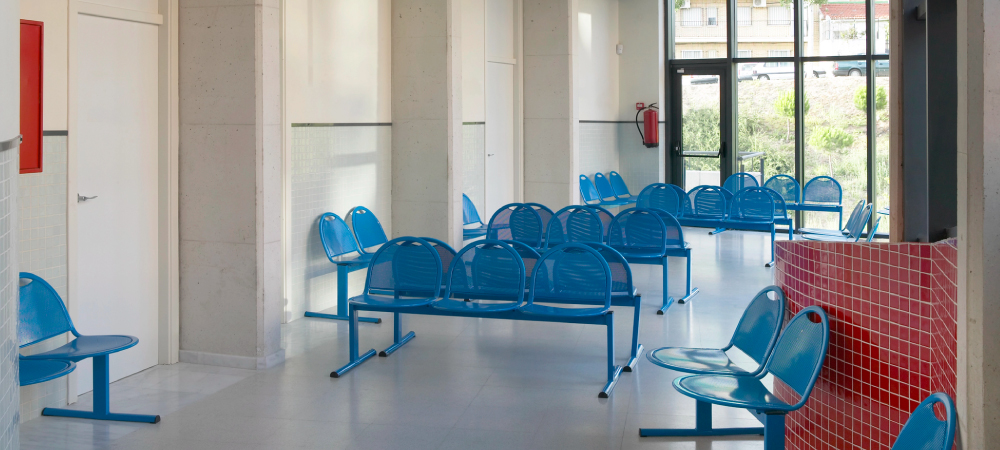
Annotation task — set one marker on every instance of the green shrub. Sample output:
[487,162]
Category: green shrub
[831,139]
[861,98]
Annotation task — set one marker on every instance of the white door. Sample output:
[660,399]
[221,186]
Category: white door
[116,233]
[500,103]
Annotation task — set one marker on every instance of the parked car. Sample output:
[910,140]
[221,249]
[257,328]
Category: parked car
[769,70]
[745,71]
[859,68]
[704,79]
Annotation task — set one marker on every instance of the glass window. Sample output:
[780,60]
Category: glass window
[712,16]
[882,140]
[699,25]
[691,17]
[743,17]
[765,133]
[764,27]
[841,28]
[881,27]
[745,53]
[690,54]
[779,15]
[779,53]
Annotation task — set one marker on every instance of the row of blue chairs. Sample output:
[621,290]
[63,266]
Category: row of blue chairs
[852,232]
[605,191]
[490,279]
[822,193]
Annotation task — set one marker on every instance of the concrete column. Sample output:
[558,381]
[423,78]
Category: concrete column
[427,119]
[10,124]
[978,218]
[230,183]
[550,122]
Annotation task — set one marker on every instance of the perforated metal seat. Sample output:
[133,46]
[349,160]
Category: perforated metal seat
[487,270]
[343,251]
[570,273]
[787,187]
[404,273]
[517,222]
[664,197]
[574,224]
[740,180]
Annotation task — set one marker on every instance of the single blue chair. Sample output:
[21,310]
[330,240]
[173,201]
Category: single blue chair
[607,192]
[740,180]
[874,229]
[924,431]
[851,221]
[484,270]
[590,195]
[342,250]
[708,203]
[663,197]
[367,229]
[853,235]
[605,215]
[517,222]
[651,236]
[405,273]
[34,371]
[471,217]
[753,208]
[823,194]
[796,361]
[755,336]
[787,187]
[42,315]
[619,186]
[574,224]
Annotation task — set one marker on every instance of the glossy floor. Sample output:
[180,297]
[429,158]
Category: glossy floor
[460,384]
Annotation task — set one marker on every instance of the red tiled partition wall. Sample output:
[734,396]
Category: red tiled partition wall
[892,310]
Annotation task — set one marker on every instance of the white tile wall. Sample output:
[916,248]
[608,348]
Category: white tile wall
[333,169]
[474,159]
[639,166]
[598,148]
[9,390]
[41,203]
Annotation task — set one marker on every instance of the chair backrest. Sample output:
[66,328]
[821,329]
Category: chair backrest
[661,196]
[740,180]
[516,222]
[708,202]
[801,349]
[859,227]
[822,189]
[760,325]
[335,236]
[606,218]
[545,213]
[753,204]
[780,207]
[604,187]
[588,191]
[41,313]
[407,264]
[786,186]
[924,431]
[638,230]
[367,229]
[571,272]
[487,269]
[529,256]
[445,252]
[621,273]
[855,215]
[469,213]
[574,224]
[871,235]
[618,184]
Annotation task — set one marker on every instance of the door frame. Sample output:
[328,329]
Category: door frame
[168,298]
[727,110]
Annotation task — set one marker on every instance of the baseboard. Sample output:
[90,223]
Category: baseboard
[239,362]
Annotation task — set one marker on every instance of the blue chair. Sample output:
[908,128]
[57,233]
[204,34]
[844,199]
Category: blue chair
[607,192]
[367,229]
[485,270]
[606,217]
[874,229]
[619,186]
[623,293]
[796,361]
[740,180]
[41,316]
[405,273]
[823,194]
[342,250]
[753,208]
[663,197]
[529,256]
[574,224]
[446,253]
[34,371]
[545,214]
[590,195]
[650,236]
[708,203]
[781,215]
[853,235]
[471,217]
[924,431]
[755,336]
[851,220]
[787,187]
[517,222]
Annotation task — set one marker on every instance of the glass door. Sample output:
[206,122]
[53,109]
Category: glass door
[700,124]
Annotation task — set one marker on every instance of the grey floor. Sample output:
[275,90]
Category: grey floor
[460,384]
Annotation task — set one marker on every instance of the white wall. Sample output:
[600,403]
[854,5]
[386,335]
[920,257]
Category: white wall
[473,60]
[9,126]
[595,61]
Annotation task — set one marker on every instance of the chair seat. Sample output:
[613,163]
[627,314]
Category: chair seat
[449,304]
[822,231]
[638,254]
[543,310]
[362,259]
[736,392]
[84,347]
[34,371]
[470,233]
[696,360]
[824,238]
[386,300]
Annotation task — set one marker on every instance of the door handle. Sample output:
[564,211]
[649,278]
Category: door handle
[490,154]
[80,198]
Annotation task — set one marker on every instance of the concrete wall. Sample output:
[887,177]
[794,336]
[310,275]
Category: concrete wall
[9,128]
[595,76]
[641,73]
[337,114]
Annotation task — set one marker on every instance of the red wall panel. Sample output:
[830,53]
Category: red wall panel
[31,95]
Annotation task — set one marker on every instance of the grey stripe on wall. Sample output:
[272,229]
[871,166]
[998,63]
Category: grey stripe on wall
[55,133]
[343,124]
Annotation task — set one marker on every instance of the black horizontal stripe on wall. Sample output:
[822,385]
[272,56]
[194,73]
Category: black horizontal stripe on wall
[473,123]
[55,132]
[343,124]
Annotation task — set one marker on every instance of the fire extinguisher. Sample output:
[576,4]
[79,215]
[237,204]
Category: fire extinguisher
[651,122]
